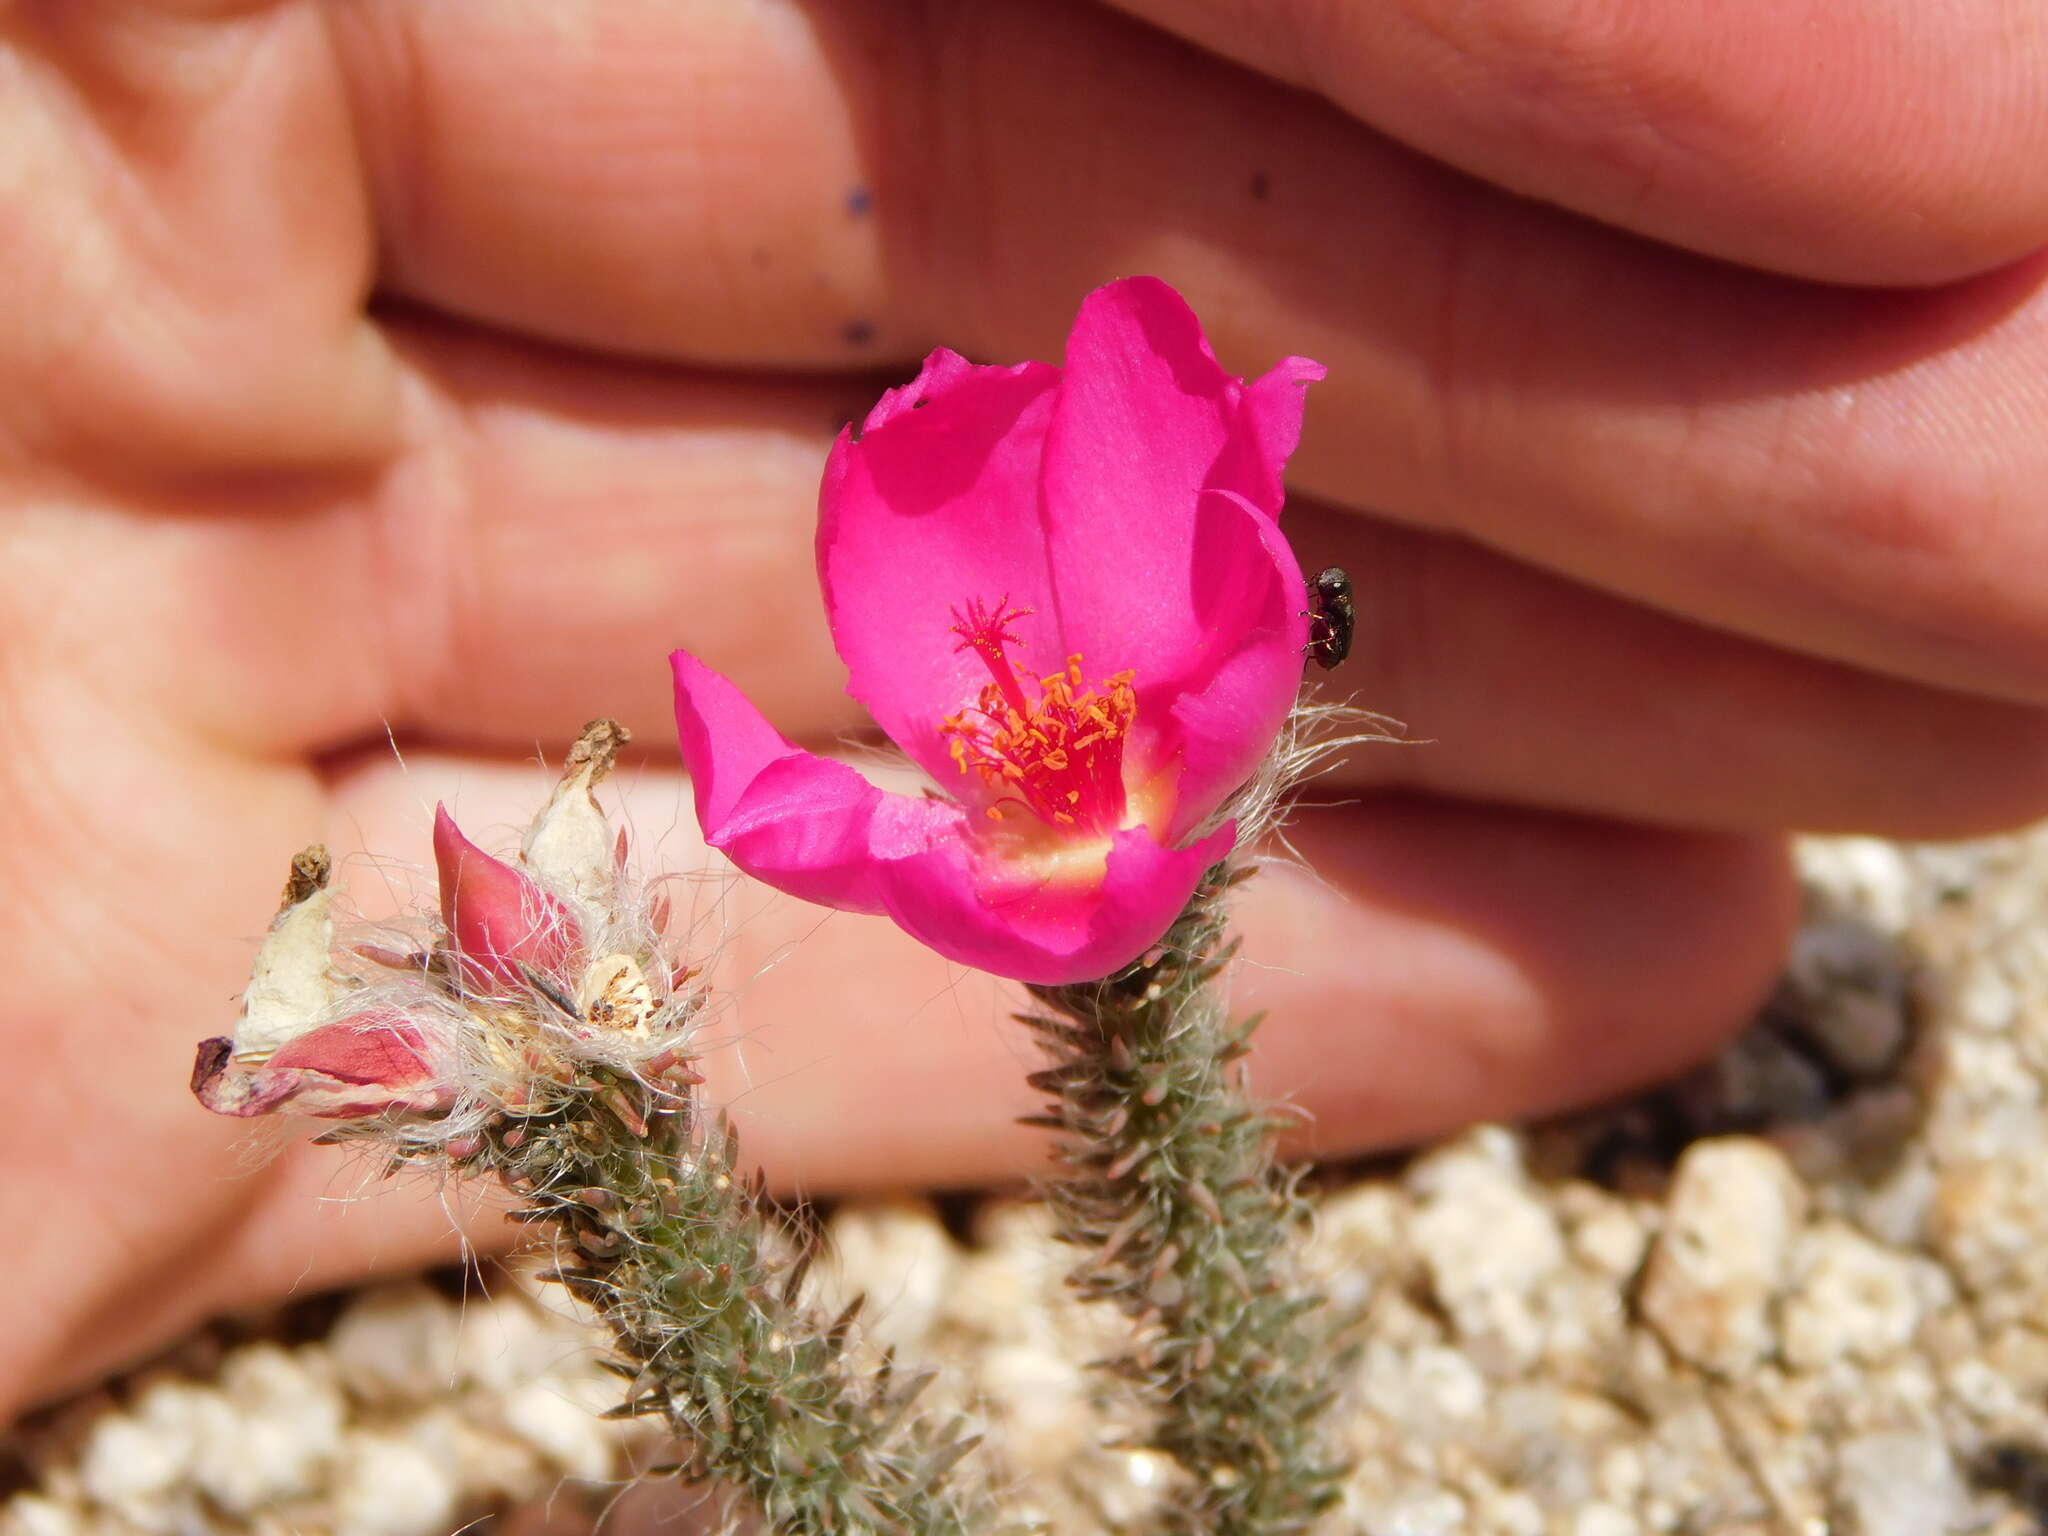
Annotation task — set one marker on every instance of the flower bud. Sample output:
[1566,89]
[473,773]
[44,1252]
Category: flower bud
[498,918]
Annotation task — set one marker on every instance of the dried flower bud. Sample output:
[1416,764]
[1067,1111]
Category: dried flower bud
[570,848]
[542,969]
[287,1052]
[292,984]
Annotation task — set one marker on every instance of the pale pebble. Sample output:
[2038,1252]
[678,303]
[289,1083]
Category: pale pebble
[1848,1299]
[1604,1520]
[901,1258]
[30,1514]
[560,1428]
[1716,1267]
[387,1486]
[1899,1485]
[402,1343]
[126,1463]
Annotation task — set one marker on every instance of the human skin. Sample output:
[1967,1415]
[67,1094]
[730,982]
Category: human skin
[385,389]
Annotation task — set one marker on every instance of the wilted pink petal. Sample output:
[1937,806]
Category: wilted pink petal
[1065,595]
[362,1065]
[497,918]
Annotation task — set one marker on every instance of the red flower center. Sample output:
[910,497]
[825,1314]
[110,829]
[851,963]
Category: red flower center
[1059,754]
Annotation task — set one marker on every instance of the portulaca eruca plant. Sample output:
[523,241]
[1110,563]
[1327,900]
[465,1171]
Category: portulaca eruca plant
[1065,595]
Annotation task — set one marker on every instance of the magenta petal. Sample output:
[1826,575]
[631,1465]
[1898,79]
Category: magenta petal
[363,1065]
[934,506]
[1056,932]
[1147,421]
[1269,417]
[726,742]
[497,918]
[1249,593]
[799,822]
[816,829]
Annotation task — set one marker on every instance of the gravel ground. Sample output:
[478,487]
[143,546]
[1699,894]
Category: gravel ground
[1804,1291]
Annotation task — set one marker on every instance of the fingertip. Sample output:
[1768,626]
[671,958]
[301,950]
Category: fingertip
[1447,964]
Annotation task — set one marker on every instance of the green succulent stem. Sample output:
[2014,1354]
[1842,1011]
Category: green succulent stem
[1187,1223]
[662,1231]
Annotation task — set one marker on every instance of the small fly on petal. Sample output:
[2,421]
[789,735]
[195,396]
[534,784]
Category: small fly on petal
[1332,616]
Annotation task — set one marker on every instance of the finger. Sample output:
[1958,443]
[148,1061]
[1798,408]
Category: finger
[1444,964]
[1847,473]
[1522,686]
[562,523]
[135,868]
[555,526]
[177,292]
[718,166]
[1868,144]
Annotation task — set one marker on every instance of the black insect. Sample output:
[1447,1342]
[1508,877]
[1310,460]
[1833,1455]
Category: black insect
[1331,616]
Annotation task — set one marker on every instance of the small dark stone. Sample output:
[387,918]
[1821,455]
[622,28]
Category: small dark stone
[1261,186]
[2019,1471]
[858,333]
[860,202]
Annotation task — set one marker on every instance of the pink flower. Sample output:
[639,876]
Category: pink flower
[1065,595]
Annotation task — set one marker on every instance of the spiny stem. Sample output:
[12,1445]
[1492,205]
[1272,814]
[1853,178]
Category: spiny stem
[671,1243]
[1186,1220]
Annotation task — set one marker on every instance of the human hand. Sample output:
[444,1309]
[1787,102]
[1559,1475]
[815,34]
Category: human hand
[1665,554]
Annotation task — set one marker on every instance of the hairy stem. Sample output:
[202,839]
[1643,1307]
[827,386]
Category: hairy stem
[1187,1223]
[673,1247]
